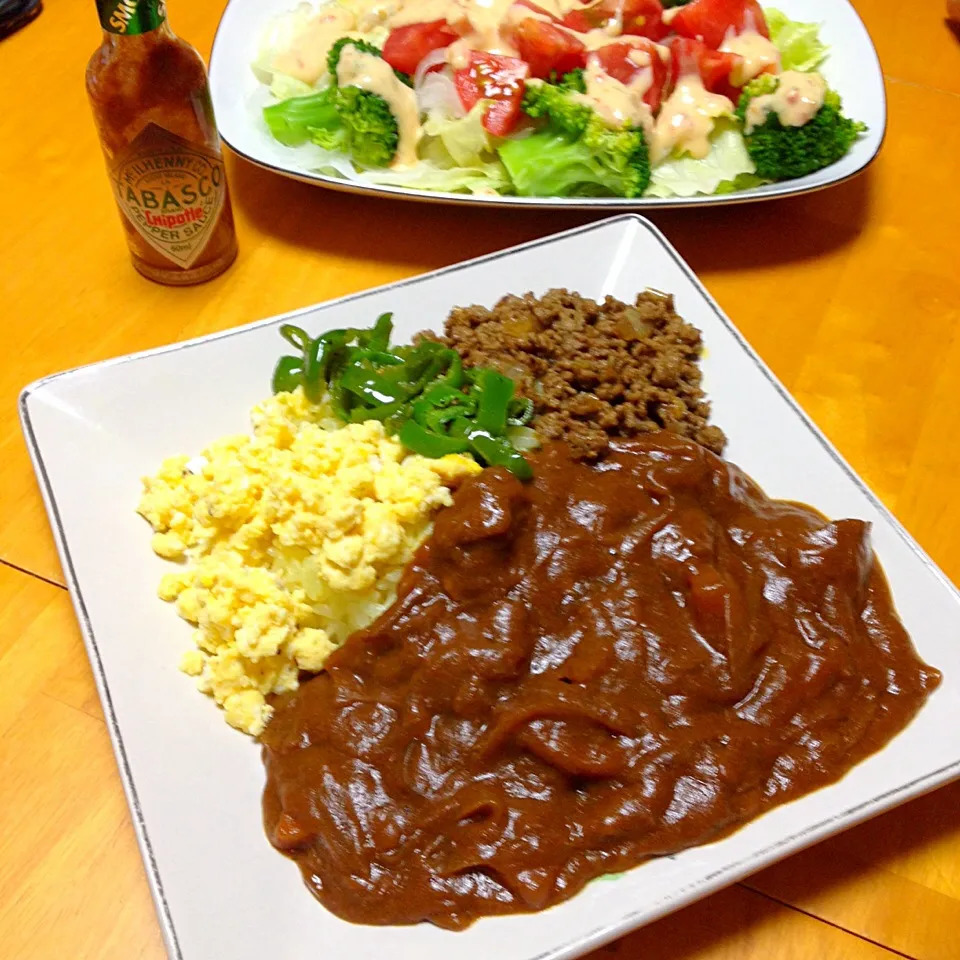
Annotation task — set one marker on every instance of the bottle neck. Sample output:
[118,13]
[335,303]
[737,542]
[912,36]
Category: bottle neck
[127,18]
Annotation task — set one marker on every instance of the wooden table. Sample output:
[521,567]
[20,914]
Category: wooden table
[850,295]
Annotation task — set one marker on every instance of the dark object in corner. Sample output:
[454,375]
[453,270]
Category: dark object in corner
[15,14]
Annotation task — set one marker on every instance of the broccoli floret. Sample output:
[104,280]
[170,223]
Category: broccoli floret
[575,153]
[574,80]
[292,121]
[545,101]
[765,83]
[370,132]
[782,153]
[333,57]
[356,122]
[352,121]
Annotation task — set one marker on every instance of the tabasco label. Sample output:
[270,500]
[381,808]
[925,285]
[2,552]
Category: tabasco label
[171,190]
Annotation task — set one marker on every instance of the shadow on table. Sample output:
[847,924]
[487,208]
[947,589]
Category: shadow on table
[433,235]
[715,927]
[808,876]
[772,232]
[754,912]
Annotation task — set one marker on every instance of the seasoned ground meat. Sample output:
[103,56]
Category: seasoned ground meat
[593,371]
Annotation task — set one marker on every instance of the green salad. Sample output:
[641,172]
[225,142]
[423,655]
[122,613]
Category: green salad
[553,98]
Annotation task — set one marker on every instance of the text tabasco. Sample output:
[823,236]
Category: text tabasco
[151,102]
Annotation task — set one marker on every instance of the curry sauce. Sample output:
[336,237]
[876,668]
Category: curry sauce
[613,662]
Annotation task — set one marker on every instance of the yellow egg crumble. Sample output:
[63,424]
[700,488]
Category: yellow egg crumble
[289,541]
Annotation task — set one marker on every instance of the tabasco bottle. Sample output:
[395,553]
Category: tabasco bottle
[151,102]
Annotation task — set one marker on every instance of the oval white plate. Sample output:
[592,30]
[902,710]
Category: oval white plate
[852,69]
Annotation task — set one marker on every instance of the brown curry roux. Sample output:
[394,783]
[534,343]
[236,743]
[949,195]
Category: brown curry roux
[610,663]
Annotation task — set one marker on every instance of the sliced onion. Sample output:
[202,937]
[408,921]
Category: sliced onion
[438,93]
[513,370]
[435,89]
[523,438]
[432,59]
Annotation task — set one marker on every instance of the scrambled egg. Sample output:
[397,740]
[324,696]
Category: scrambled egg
[289,541]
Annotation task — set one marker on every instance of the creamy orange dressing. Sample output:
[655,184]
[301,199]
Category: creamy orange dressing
[559,8]
[487,24]
[481,23]
[795,101]
[757,52]
[306,57]
[458,54]
[375,13]
[686,120]
[424,11]
[601,36]
[619,104]
[487,19]
[363,70]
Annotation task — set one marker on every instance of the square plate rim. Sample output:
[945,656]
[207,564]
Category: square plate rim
[783,188]
[592,939]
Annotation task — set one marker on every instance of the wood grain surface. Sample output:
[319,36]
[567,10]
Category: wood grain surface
[851,295]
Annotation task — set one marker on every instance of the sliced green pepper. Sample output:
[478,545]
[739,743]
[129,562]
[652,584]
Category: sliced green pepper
[384,412]
[340,335]
[422,392]
[371,387]
[460,427]
[295,336]
[454,375]
[497,452]
[428,444]
[496,394]
[339,401]
[287,374]
[438,418]
[520,412]
[380,336]
[313,380]
[441,396]
[384,359]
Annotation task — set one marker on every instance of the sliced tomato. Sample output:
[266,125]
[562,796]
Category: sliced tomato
[693,57]
[407,46]
[641,18]
[548,49]
[495,78]
[544,14]
[709,20]
[617,59]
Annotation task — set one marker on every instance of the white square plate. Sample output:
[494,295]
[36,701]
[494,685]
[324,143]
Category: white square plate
[852,69]
[194,784]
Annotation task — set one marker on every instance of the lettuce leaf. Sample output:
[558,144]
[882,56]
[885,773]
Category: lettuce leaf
[461,142]
[486,180]
[279,34]
[799,43]
[727,167]
[282,31]
[285,87]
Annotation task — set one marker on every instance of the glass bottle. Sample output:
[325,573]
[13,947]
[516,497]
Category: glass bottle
[151,103]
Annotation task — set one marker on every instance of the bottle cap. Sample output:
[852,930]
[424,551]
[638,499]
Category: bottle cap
[130,17]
